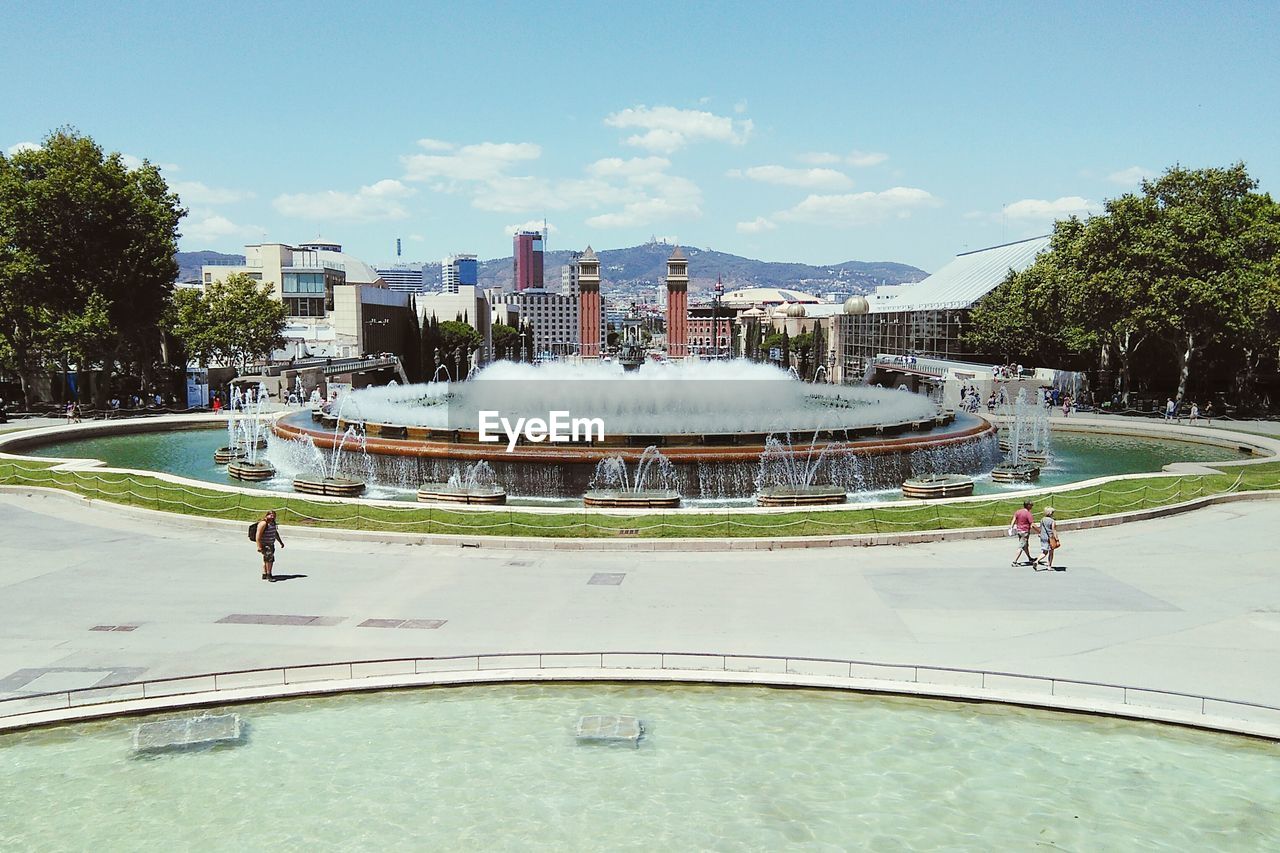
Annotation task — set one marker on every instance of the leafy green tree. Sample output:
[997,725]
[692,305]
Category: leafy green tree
[86,257]
[505,340]
[457,336]
[235,320]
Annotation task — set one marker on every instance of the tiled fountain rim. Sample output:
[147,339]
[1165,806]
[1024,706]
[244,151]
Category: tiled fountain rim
[916,680]
[1268,449]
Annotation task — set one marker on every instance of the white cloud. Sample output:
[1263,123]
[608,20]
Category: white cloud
[368,204]
[417,238]
[435,145]
[531,225]
[865,158]
[740,107]
[209,227]
[756,226]
[860,208]
[19,147]
[195,192]
[653,197]
[668,129]
[480,162]
[131,161]
[855,158]
[1038,209]
[827,179]
[635,167]
[1130,176]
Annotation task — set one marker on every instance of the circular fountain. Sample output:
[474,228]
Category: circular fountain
[1025,441]
[712,421]
[475,484]
[325,475]
[938,486]
[247,430]
[650,485]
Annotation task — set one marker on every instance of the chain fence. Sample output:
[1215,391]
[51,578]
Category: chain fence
[1070,504]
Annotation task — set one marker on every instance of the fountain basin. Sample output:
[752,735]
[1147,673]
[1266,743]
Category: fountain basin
[941,486]
[223,455]
[430,492]
[333,487]
[801,496]
[1021,472]
[243,470]
[644,499]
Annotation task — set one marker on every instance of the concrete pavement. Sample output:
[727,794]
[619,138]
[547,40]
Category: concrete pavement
[1190,603]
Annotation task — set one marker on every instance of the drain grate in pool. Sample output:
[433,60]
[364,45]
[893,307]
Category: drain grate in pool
[278,619]
[187,733]
[607,579]
[609,728]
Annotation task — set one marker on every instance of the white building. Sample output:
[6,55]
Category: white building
[405,278]
[552,316]
[324,291]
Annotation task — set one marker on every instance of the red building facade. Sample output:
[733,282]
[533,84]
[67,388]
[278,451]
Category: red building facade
[588,304]
[526,253]
[677,305]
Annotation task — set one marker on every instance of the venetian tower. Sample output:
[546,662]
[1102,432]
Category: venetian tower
[677,305]
[589,304]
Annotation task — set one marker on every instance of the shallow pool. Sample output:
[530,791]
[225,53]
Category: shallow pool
[189,453]
[720,768]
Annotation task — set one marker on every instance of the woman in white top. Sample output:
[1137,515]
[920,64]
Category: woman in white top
[1048,539]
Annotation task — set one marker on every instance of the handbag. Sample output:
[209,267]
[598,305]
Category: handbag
[1054,542]
[1012,531]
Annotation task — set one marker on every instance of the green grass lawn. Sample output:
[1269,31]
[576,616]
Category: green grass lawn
[1071,503]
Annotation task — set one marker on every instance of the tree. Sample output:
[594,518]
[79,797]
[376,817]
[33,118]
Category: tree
[86,257]
[505,339]
[456,336]
[235,320]
[1190,261]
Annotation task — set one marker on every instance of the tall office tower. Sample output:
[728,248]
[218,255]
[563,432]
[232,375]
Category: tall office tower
[677,304]
[589,304]
[457,270]
[527,259]
[569,276]
[405,278]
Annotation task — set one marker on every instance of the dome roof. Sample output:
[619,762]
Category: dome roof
[857,305]
[766,296]
[358,272]
[795,309]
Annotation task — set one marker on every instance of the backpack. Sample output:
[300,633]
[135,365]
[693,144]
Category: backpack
[253,531]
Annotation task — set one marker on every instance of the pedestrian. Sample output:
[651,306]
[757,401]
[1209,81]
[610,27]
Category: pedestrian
[1020,527]
[267,537]
[1208,412]
[1048,539]
[1066,405]
[217,404]
[1195,413]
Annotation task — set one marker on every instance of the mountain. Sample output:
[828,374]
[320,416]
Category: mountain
[189,263]
[630,269]
[645,265]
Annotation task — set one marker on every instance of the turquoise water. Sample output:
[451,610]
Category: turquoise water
[1076,456]
[737,768]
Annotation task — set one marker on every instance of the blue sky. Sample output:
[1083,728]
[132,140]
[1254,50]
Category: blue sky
[806,131]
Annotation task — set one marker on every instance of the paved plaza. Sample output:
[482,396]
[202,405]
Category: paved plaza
[1188,603]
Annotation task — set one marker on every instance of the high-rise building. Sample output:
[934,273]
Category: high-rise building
[405,278]
[527,259]
[458,271]
[677,304]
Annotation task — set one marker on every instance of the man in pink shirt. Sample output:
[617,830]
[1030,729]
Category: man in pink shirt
[1021,525]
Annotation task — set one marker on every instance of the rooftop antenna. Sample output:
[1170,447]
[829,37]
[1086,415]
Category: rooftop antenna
[397,247]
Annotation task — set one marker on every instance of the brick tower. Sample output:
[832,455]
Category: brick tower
[677,305]
[589,304]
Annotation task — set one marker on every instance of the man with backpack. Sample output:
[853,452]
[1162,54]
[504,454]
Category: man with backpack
[265,534]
